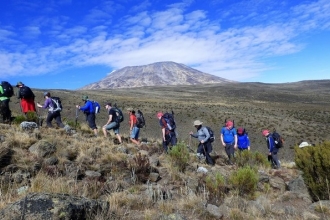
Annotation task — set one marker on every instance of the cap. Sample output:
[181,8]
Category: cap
[159,114]
[229,123]
[84,97]
[240,130]
[265,132]
[19,84]
[197,123]
[129,109]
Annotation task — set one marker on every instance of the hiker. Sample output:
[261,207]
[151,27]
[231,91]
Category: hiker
[53,111]
[168,135]
[27,98]
[4,106]
[228,139]
[272,149]
[243,141]
[89,111]
[204,146]
[133,128]
[112,122]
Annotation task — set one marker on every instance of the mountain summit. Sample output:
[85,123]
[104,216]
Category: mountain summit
[155,74]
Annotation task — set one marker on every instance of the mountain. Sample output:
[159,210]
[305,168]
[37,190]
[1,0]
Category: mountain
[155,74]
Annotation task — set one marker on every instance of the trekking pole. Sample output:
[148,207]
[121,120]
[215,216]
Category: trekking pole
[37,112]
[76,121]
[189,144]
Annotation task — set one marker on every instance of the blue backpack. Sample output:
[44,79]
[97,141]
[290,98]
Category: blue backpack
[169,121]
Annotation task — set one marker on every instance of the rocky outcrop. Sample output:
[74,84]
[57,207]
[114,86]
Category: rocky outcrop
[53,206]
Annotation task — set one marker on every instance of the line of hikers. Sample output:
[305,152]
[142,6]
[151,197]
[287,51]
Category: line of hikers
[231,138]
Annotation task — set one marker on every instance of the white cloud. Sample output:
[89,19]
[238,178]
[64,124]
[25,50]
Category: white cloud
[175,34]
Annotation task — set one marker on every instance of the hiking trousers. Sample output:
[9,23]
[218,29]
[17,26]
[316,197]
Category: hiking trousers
[5,111]
[275,160]
[54,115]
[206,149]
[229,148]
[170,138]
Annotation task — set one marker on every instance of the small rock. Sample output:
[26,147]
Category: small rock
[154,177]
[22,190]
[92,174]
[214,210]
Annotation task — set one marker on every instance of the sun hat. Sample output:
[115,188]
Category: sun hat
[19,84]
[129,109]
[265,132]
[159,114]
[197,123]
[304,144]
[84,97]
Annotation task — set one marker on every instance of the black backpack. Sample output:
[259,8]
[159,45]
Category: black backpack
[119,113]
[25,92]
[211,139]
[279,141]
[169,118]
[8,90]
[140,122]
[57,104]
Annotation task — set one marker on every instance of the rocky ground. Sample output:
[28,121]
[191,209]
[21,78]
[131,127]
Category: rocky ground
[52,174]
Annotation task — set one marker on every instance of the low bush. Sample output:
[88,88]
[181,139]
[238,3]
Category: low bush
[216,185]
[245,181]
[315,164]
[248,158]
[180,156]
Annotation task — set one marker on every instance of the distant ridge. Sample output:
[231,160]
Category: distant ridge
[155,74]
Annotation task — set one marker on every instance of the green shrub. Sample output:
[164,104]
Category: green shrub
[19,119]
[248,158]
[245,181]
[31,116]
[179,155]
[315,164]
[217,187]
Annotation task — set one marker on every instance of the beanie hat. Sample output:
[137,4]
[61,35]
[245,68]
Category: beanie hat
[240,130]
[265,132]
[159,114]
[229,123]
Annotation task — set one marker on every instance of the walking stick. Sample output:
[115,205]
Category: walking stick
[38,115]
[76,122]
[189,144]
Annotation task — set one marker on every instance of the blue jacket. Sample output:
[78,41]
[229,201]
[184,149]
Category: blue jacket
[88,107]
[243,141]
[271,144]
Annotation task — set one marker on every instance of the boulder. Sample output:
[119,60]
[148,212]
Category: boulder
[298,185]
[42,148]
[53,206]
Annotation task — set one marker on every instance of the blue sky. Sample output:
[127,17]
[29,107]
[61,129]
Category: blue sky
[67,44]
